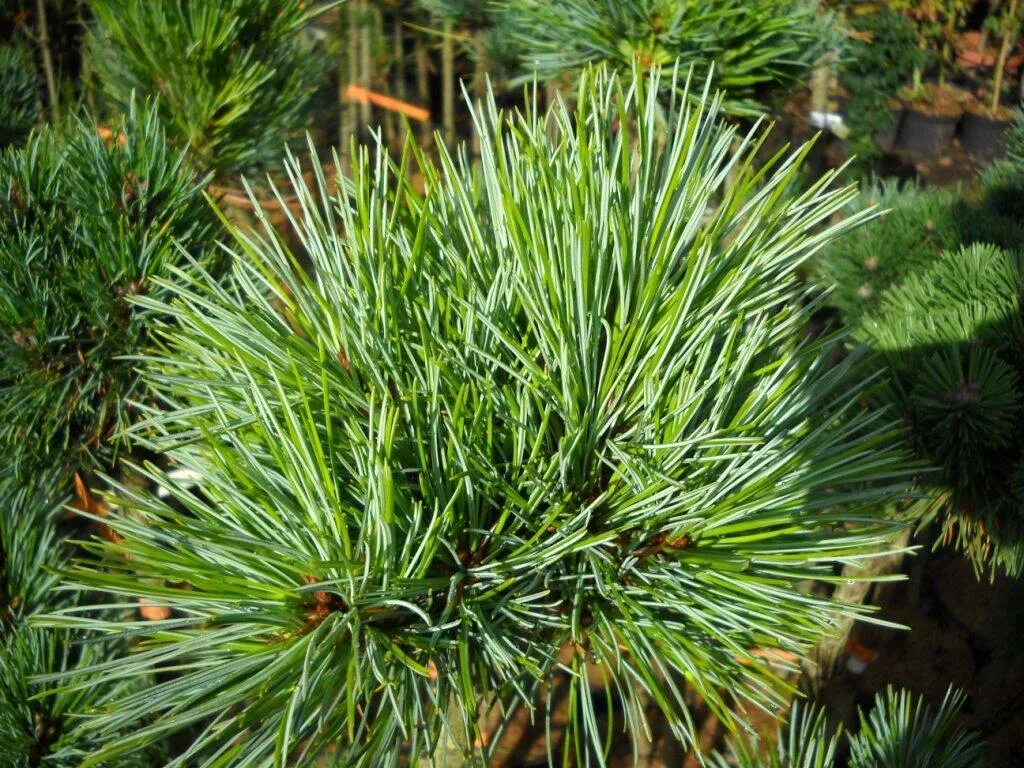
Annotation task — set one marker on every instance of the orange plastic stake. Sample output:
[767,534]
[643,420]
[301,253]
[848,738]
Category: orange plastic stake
[364,96]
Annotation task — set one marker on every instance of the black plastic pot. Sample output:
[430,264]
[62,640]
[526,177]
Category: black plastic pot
[925,135]
[981,136]
[886,140]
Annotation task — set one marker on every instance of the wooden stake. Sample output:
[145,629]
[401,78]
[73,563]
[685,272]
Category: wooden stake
[1009,38]
[353,130]
[344,126]
[44,47]
[398,51]
[479,82]
[448,83]
[422,58]
[90,95]
[365,61]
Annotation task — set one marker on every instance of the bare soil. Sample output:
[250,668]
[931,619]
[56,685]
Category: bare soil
[962,632]
[938,100]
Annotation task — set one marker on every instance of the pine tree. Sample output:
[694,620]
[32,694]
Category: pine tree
[85,224]
[559,401]
[953,337]
[232,79]
[748,44]
[899,731]
[38,722]
[934,289]
[916,225]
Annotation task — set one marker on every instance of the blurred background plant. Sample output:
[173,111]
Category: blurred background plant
[934,288]
[19,94]
[879,56]
[1004,21]
[753,46]
[952,334]
[936,23]
[231,79]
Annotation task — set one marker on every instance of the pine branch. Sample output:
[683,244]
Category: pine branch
[899,731]
[41,731]
[953,336]
[19,94]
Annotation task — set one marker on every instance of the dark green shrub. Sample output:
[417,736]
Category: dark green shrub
[934,287]
[752,45]
[1003,182]
[85,224]
[19,95]
[233,77]
[952,335]
[916,226]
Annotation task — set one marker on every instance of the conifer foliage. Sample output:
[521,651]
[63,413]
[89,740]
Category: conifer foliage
[557,402]
[88,218]
[86,222]
[916,227]
[19,92]
[953,336]
[750,45]
[936,289]
[899,731]
[920,223]
[38,723]
[233,78]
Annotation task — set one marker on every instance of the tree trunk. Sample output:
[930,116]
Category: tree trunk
[823,660]
[451,748]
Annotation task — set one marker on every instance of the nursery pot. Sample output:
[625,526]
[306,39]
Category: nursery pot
[886,140]
[925,135]
[981,135]
[930,119]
